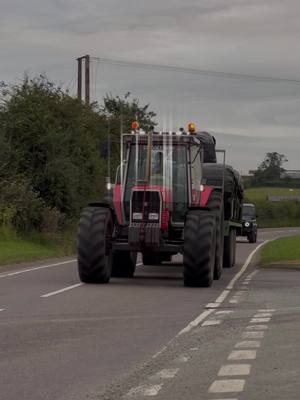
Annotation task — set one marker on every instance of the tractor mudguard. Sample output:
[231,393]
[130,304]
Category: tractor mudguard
[104,205]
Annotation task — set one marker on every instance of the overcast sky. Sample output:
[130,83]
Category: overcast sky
[237,36]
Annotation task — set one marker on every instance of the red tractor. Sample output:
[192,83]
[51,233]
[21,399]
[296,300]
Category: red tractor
[170,197]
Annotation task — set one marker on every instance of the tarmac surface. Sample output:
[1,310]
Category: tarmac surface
[150,336]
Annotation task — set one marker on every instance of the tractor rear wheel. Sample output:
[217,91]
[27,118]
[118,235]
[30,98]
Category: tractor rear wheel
[123,264]
[94,237]
[199,249]
[215,204]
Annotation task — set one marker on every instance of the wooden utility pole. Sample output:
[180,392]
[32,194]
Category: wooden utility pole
[79,78]
[86,79]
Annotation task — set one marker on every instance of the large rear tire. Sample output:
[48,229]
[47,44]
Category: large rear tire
[199,249]
[123,264]
[215,204]
[94,237]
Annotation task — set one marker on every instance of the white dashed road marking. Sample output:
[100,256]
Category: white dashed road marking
[227,386]
[2,309]
[182,359]
[144,390]
[211,322]
[235,370]
[165,374]
[259,320]
[224,312]
[62,290]
[263,315]
[253,335]
[250,344]
[257,327]
[242,355]
[23,271]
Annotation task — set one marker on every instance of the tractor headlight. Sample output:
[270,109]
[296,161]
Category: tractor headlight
[247,224]
[137,216]
[153,217]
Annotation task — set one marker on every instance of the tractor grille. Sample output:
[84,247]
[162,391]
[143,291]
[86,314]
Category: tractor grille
[145,206]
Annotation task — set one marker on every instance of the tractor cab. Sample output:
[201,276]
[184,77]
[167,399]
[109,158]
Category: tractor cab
[160,179]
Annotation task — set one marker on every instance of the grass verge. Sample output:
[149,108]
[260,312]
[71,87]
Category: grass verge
[285,249]
[15,249]
[262,193]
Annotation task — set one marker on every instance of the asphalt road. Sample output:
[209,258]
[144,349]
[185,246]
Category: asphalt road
[150,336]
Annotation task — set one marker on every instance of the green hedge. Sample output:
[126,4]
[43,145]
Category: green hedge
[276,214]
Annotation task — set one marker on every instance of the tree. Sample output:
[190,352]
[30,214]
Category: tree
[270,168]
[53,140]
[50,145]
[120,113]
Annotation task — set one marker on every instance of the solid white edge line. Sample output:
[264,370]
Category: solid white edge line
[245,266]
[196,321]
[62,290]
[224,294]
[22,271]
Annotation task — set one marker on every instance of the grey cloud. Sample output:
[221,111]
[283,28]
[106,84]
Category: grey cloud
[252,37]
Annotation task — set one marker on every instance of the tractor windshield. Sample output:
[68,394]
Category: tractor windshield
[163,168]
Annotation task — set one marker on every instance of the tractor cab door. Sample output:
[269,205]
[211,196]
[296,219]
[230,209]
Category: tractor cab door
[195,175]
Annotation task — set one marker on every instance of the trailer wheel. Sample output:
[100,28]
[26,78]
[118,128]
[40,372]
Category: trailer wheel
[123,264]
[215,204]
[94,236]
[233,247]
[199,249]
[229,249]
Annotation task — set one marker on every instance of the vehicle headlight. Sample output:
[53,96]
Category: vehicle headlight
[153,216]
[137,216]
[247,224]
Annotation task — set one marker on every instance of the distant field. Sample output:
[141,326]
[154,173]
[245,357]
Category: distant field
[257,194]
[283,249]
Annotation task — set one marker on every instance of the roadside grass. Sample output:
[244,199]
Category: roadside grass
[258,194]
[15,249]
[285,249]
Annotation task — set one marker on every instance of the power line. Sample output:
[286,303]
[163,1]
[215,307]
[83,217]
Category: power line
[194,71]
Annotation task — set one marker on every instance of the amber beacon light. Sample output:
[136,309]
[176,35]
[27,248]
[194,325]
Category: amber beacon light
[135,125]
[192,128]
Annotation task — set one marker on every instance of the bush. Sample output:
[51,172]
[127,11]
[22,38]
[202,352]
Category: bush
[283,213]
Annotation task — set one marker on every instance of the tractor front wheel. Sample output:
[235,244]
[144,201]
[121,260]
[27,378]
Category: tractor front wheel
[94,250]
[229,249]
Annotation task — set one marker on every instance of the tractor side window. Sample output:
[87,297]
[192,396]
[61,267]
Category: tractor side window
[196,175]
[179,183]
